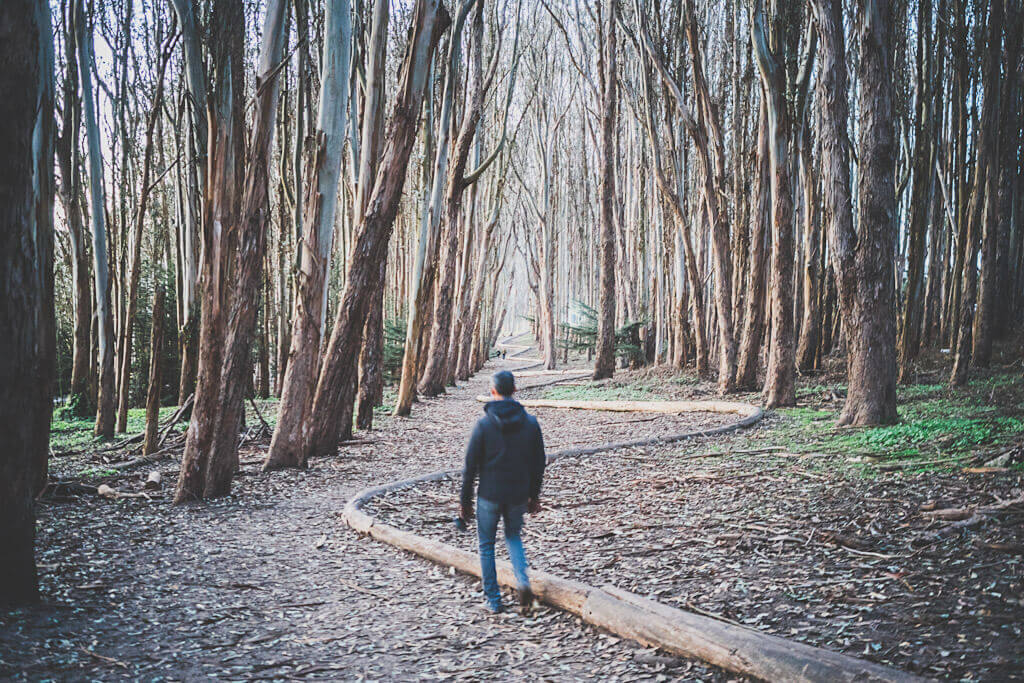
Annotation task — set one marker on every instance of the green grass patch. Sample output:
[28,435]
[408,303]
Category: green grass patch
[935,423]
[69,433]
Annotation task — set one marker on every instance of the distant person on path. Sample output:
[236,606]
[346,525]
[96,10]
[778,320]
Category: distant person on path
[506,452]
[503,352]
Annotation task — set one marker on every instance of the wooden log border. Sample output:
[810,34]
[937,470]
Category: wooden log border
[735,648]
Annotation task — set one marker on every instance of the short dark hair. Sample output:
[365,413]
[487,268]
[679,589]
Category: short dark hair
[504,382]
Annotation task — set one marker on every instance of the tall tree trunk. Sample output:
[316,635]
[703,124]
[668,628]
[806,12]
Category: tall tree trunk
[780,384]
[101,269]
[810,321]
[211,447]
[337,377]
[754,306]
[994,242]
[371,358]
[433,381]
[371,371]
[288,445]
[913,308]
[156,343]
[420,284]
[604,359]
[707,136]
[135,268]
[1011,113]
[863,261]
[983,216]
[188,333]
[69,158]
[26,284]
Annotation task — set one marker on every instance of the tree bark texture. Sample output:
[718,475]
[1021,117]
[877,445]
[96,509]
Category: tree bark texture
[211,447]
[752,335]
[287,447]
[337,377]
[26,269]
[780,380]
[604,359]
[433,381]
[105,403]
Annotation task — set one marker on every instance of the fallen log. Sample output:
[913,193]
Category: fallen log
[732,647]
[113,494]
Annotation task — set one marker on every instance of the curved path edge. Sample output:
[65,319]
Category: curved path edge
[651,623]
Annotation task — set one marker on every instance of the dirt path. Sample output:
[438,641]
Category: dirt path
[269,583]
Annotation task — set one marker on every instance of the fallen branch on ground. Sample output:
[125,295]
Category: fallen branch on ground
[967,518]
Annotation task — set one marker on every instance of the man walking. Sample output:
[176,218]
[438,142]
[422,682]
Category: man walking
[506,452]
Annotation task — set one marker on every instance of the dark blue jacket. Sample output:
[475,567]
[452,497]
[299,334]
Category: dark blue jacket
[506,450]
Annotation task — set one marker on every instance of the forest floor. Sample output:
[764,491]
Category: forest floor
[795,527]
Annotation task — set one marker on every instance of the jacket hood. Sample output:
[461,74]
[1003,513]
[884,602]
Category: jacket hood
[509,414]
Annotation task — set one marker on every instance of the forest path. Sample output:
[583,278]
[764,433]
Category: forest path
[270,582]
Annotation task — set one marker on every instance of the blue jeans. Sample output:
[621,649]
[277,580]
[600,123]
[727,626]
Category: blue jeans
[487,515]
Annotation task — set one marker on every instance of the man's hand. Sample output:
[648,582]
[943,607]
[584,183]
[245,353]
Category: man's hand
[533,506]
[465,512]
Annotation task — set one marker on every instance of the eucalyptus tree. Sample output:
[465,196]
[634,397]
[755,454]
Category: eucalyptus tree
[26,284]
[234,242]
[322,175]
[107,395]
[336,384]
[770,49]
[604,360]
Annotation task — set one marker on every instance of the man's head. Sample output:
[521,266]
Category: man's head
[503,384]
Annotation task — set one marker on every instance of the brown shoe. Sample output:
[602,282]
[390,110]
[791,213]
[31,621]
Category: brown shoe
[525,598]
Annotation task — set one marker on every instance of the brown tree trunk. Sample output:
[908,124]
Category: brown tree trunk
[754,306]
[913,308]
[80,398]
[371,358]
[1010,216]
[156,343]
[434,375]
[983,219]
[287,446]
[810,321]
[708,141]
[211,447]
[337,377]
[871,319]
[995,237]
[863,262]
[780,384]
[604,360]
[26,277]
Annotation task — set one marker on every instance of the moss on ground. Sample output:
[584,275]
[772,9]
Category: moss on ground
[68,433]
[935,422]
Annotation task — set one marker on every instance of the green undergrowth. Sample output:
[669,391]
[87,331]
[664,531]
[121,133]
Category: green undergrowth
[938,427]
[69,433]
[72,433]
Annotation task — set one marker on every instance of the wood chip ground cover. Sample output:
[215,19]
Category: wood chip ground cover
[269,583]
